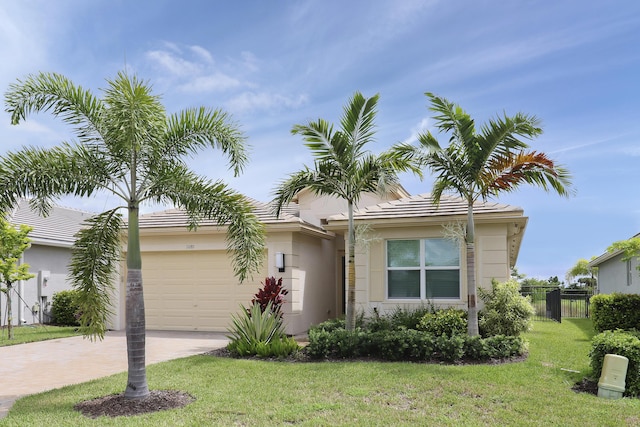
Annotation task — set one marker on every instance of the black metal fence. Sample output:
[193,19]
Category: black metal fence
[554,303]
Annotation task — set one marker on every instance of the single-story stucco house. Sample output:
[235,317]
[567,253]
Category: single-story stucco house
[48,258]
[615,275]
[405,260]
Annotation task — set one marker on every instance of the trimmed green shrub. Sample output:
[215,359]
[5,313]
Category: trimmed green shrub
[449,322]
[410,345]
[259,333]
[475,348]
[409,317]
[506,311]
[504,347]
[441,337]
[622,343]
[402,344]
[329,325]
[379,323]
[615,311]
[65,308]
[336,343]
[449,349]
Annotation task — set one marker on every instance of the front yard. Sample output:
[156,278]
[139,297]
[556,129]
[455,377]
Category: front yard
[259,393]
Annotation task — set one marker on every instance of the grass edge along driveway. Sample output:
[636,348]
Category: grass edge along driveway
[256,393]
[33,333]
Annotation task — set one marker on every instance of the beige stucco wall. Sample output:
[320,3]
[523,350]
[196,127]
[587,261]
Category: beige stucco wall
[310,265]
[313,296]
[314,209]
[492,261]
[492,254]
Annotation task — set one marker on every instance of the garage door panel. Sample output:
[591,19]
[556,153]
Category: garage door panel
[193,290]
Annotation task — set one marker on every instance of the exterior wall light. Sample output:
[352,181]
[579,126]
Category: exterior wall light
[280,261]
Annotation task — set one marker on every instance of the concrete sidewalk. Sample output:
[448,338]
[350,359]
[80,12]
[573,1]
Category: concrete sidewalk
[41,366]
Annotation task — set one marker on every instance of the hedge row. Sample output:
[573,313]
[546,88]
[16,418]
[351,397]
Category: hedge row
[411,345]
[622,343]
[615,311]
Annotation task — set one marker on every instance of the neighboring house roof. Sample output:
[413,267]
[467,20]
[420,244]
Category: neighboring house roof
[56,229]
[606,256]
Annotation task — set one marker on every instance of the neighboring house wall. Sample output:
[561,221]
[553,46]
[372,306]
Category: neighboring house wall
[615,275]
[50,265]
[48,258]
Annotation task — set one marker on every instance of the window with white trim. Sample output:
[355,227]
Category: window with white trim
[423,269]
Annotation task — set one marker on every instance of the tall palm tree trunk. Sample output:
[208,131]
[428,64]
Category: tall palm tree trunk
[137,387]
[472,324]
[351,286]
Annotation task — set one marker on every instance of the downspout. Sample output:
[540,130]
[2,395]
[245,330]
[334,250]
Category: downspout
[21,296]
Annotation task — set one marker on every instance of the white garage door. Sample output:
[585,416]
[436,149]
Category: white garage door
[192,291]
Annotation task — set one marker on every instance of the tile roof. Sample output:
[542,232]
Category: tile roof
[422,206]
[57,229]
[179,218]
[419,206]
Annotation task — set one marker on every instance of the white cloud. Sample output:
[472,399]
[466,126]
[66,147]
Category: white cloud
[248,101]
[249,61]
[202,53]
[216,82]
[418,129]
[194,70]
[175,65]
[401,16]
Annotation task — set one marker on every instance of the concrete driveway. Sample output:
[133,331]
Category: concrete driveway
[41,366]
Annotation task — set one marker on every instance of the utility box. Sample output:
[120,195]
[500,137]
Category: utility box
[44,287]
[612,379]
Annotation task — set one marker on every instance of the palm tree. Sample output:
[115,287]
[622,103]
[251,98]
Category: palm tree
[344,168]
[479,165]
[126,145]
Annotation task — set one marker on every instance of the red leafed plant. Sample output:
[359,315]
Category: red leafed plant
[271,291]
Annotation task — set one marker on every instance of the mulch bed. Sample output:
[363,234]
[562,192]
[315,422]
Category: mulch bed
[586,386]
[116,405]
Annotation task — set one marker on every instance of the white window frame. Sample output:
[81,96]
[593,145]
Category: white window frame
[423,269]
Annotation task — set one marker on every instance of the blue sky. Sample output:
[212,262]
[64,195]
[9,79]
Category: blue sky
[574,64]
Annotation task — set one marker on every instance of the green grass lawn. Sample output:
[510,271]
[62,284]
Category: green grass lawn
[229,392]
[23,334]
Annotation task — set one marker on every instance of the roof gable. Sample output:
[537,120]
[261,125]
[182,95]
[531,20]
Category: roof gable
[317,208]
